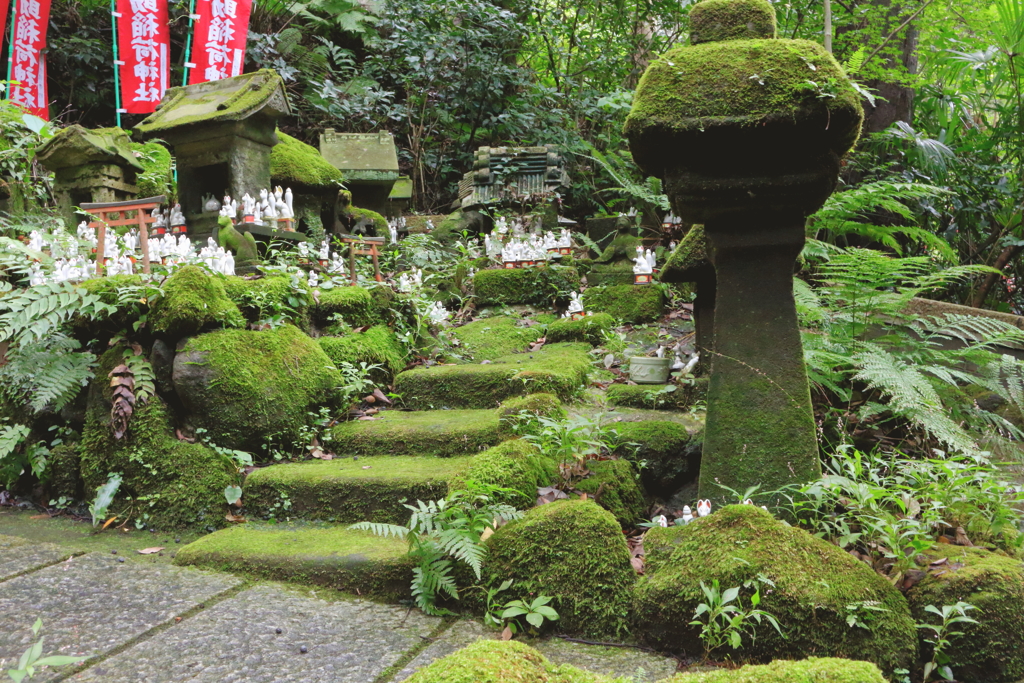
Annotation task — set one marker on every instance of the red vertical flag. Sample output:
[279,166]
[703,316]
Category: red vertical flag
[218,44]
[144,44]
[28,65]
[5,9]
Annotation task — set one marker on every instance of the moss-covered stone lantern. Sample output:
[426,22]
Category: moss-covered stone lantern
[747,132]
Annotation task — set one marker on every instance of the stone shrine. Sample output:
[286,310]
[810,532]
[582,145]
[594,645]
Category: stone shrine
[369,162]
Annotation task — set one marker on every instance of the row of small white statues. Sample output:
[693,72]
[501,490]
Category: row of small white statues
[575,305]
[532,248]
[217,258]
[394,225]
[703,510]
[407,282]
[272,205]
[679,364]
[171,217]
[644,262]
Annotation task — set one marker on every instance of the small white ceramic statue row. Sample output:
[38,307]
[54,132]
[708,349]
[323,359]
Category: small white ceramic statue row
[304,250]
[35,241]
[216,258]
[407,282]
[314,280]
[337,265]
[325,251]
[394,225]
[438,314]
[644,261]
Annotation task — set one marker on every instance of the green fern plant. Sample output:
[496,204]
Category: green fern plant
[32,314]
[46,373]
[444,530]
[647,193]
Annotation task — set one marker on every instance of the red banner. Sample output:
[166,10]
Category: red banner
[5,9]
[218,44]
[144,46]
[28,66]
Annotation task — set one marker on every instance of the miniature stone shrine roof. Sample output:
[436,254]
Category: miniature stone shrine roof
[77,146]
[229,99]
[501,173]
[402,188]
[361,156]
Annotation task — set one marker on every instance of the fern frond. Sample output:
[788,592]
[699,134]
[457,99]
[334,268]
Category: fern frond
[49,372]
[30,315]
[454,542]
[10,437]
[381,529]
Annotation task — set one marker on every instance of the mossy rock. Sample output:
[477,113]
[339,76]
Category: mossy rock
[64,468]
[679,397]
[718,20]
[269,296]
[296,164]
[559,369]
[365,221]
[573,551]
[615,487]
[814,583]
[991,651]
[438,433]
[516,465]
[519,410]
[355,305]
[193,301]
[376,346]
[689,261]
[609,274]
[174,484]
[590,329]
[336,557]
[347,490]
[812,670]
[671,455]
[493,661]
[632,304]
[157,175]
[540,286]
[622,248]
[490,338]
[247,388]
[107,289]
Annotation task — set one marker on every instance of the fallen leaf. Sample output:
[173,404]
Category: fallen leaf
[366,467]
[381,397]
[234,518]
[506,634]
[941,560]
[150,551]
[638,564]
[109,522]
[486,534]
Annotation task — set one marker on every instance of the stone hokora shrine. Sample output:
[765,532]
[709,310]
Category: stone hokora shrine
[369,162]
[747,132]
[222,133]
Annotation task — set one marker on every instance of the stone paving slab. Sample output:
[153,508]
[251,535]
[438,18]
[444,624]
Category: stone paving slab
[18,555]
[461,634]
[93,604]
[348,641]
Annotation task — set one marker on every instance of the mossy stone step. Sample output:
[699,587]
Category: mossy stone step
[332,556]
[442,433]
[348,490]
[559,369]
[491,338]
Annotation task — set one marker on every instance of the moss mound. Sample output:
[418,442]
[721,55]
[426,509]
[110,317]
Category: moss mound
[632,304]
[559,369]
[540,286]
[615,487]
[680,397]
[670,453]
[588,329]
[608,274]
[366,221]
[270,296]
[347,490]
[354,305]
[717,20]
[491,661]
[815,582]
[991,651]
[511,412]
[690,258]
[376,346]
[294,163]
[516,465]
[156,177]
[813,670]
[495,337]
[193,301]
[247,388]
[574,551]
[107,288]
[438,433]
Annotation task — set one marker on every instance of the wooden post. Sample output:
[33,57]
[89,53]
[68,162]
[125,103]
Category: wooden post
[101,240]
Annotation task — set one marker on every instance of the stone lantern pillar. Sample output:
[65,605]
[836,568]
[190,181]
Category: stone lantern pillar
[747,132]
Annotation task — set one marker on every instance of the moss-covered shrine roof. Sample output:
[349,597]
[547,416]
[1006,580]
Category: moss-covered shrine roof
[230,99]
[361,156]
[293,162]
[76,146]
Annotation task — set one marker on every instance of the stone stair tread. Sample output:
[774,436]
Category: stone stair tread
[325,555]
[423,432]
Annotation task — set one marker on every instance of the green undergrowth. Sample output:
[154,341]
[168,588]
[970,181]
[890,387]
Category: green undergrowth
[269,296]
[491,661]
[811,670]
[615,486]
[440,433]
[540,286]
[491,338]
[518,412]
[658,396]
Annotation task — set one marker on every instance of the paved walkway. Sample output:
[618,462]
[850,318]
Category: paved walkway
[139,622]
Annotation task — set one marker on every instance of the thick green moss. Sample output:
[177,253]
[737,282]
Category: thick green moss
[376,346]
[516,465]
[622,248]
[492,661]
[655,398]
[491,338]
[169,483]
[107,289]
[511,412]
[294,163]
[351,561]
[814,584]
[539,286]
[347,490]
[609,274]
[717,20]
[690,260]
[614,485]
[440,433]
[632,304]
[560,369]
[365,219]
[588,329]
[266,297]
[573,551]
[192,301]
[246,388]
[157,177]
[356,307]
[812,670]
[669,453]
[991,651]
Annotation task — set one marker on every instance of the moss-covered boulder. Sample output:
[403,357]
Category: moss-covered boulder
[490,338]
[668,452]
[295,164]
[814,585]
[377,345]
[632,304]
[540,286]
[516,465]
[192,301]
[517,411]
[573,551]
[270,297]
[250,388]
[157,175]
[664,397]
[590,329]
[812,670]
[615,485]
[349,306]
[492,661]
[991,651]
